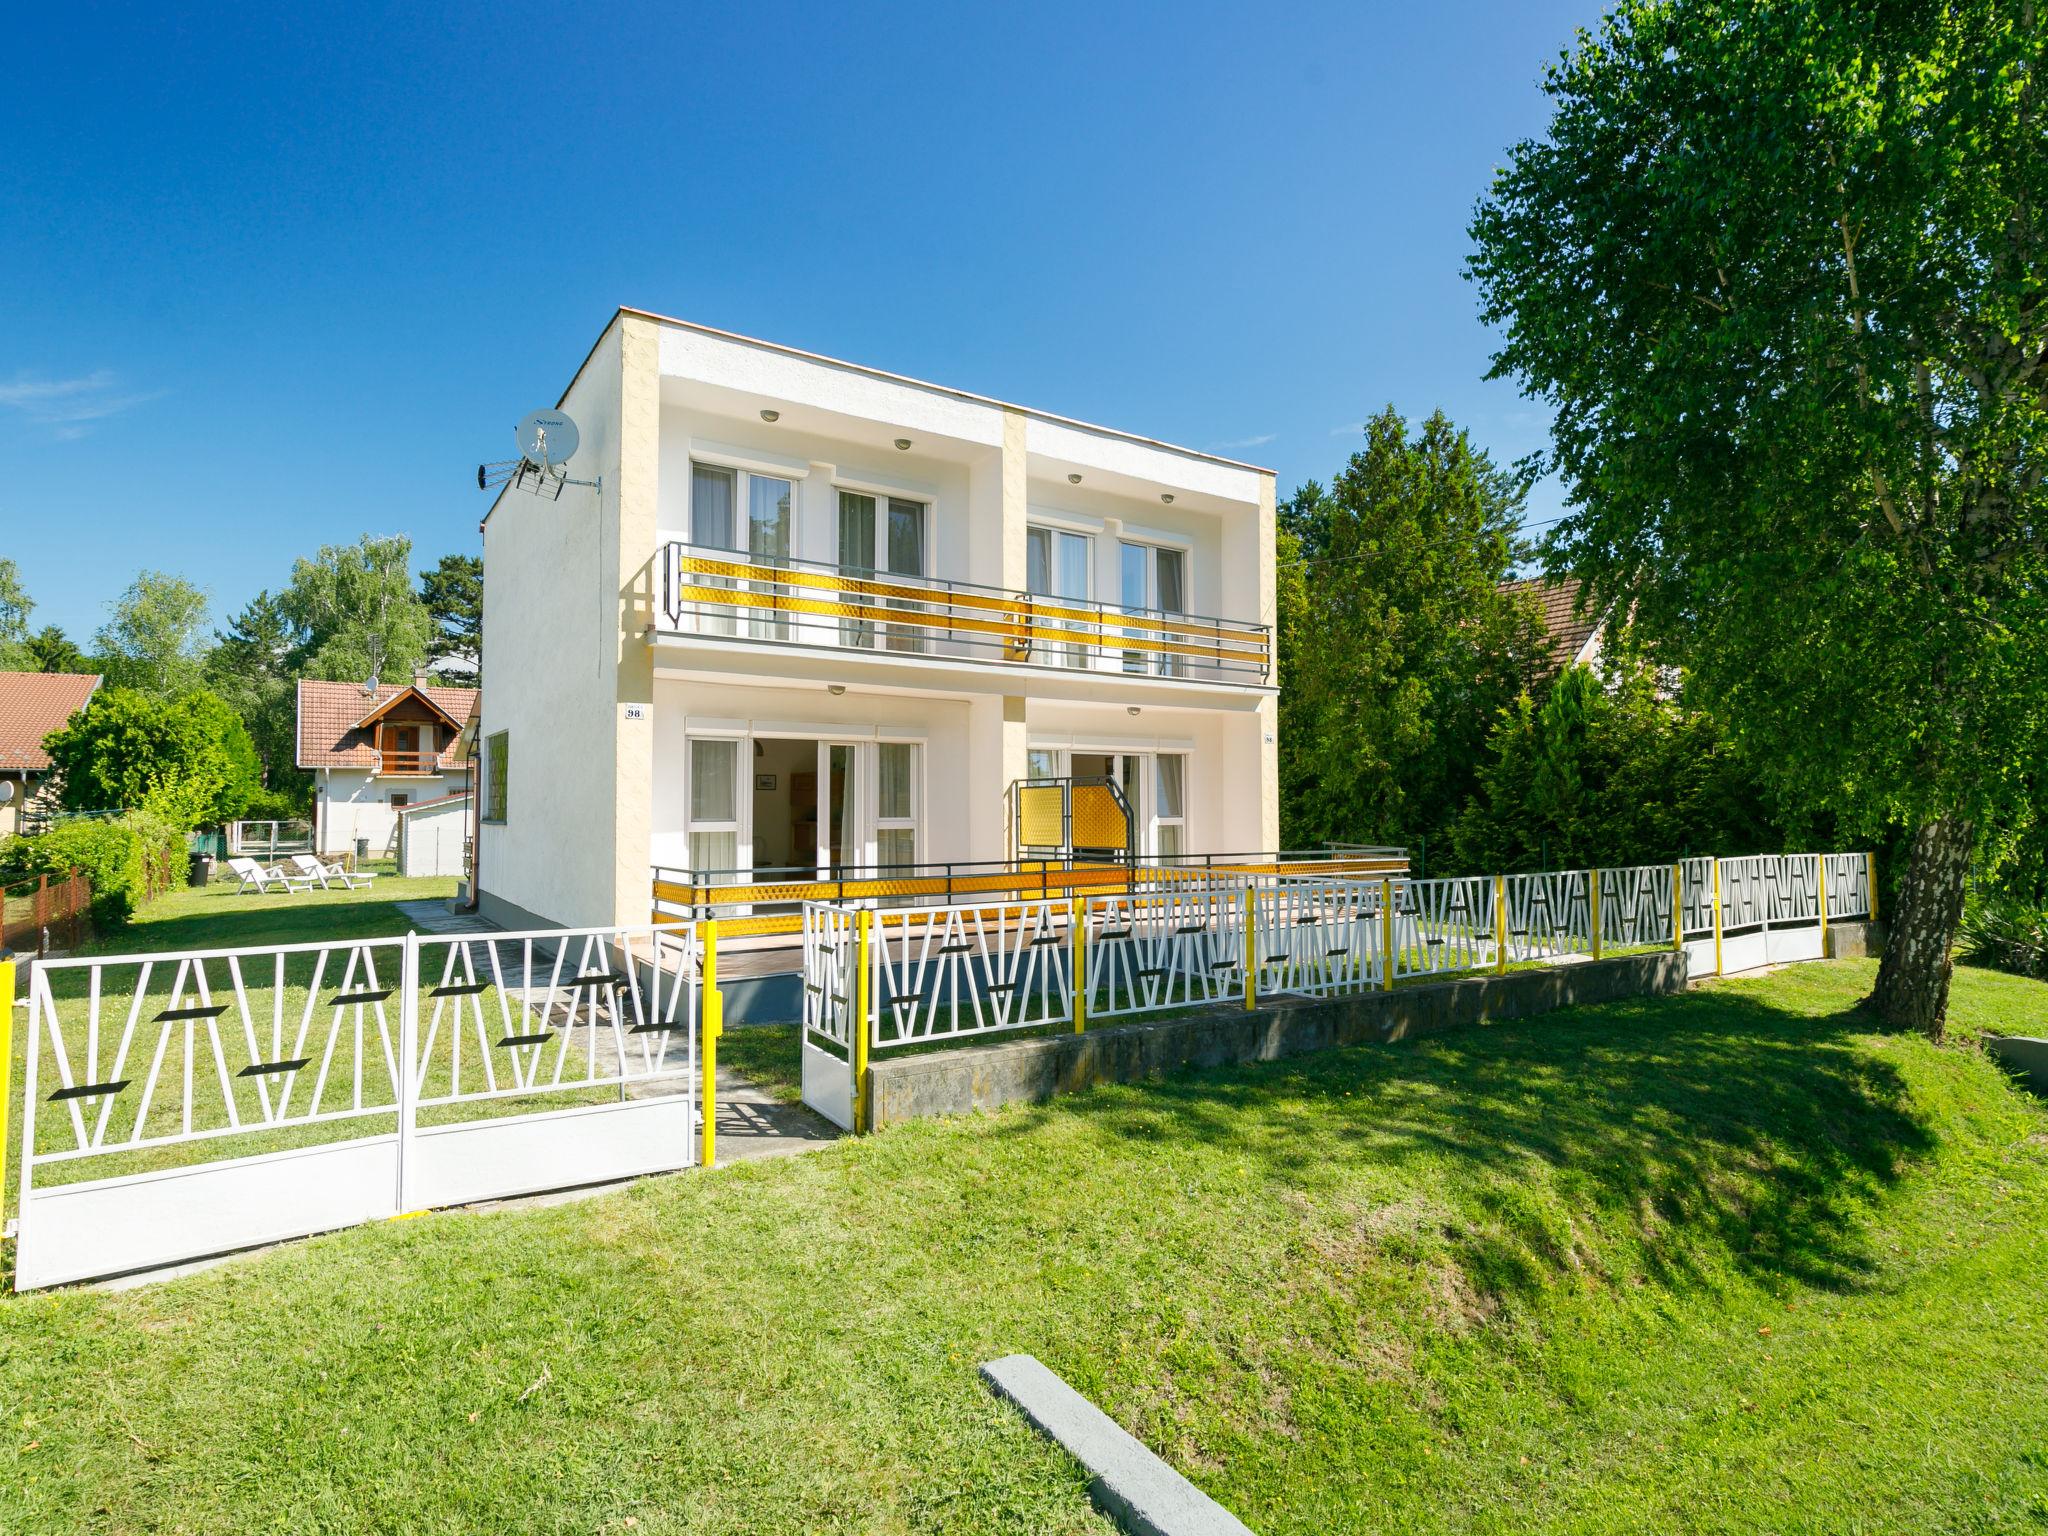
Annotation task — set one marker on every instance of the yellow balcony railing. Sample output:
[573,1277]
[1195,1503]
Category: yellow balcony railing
[723,593]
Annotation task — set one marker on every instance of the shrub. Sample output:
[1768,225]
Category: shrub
[2006,934]
[189,760]
[129,859]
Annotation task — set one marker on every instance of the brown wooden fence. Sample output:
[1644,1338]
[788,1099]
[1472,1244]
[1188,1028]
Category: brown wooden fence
[39,913]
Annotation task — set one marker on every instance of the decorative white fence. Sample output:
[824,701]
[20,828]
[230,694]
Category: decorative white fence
[905,979]
[184,1104]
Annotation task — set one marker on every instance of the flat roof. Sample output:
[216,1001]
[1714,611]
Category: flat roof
[888,377]
[915,383]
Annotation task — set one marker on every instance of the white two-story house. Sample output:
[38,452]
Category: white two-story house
[814,618]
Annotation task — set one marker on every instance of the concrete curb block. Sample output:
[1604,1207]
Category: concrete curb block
[1130,1484]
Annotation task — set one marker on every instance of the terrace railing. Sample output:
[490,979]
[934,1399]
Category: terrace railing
[976,967]
[732,595]
[753,902]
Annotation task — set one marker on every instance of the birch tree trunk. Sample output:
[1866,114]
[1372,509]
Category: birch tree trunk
[1913,978]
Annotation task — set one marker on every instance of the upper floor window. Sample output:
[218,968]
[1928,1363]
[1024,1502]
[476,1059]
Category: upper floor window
[883,534]
[1153,578]
[1056,565]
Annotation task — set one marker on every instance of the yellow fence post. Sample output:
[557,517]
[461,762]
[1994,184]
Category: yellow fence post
[713,1021]
[1251,947]
[7,1059]
[1500,924]
[1870,879]
[1593,885]
[1717,915]
[1678,905]
[863,986]
[1386,934]
[1077,932]
[1820,864]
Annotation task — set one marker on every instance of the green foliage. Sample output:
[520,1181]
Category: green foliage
[454,594]
[1781,274]
[188,760]
[1609,775]
[357,613]
[152,642]
[1397,645]
[49,649]
[2006,934]
[252,667]
[129,859]
[15,607]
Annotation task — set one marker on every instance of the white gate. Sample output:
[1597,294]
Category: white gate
[187,1104]
[829,1024]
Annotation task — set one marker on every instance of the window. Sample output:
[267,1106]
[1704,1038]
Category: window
[497,762]
[1169,821]
[891,543]
[896,805]
[716,495]
[714,805]
[400,800]
[1151,579]
[1056,565]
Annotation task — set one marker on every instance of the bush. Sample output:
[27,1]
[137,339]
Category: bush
[277,805]
[2006,934]
[130,860]
[189,760]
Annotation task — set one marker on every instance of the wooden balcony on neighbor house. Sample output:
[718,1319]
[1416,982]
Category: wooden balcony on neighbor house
[406,752]
[717,593]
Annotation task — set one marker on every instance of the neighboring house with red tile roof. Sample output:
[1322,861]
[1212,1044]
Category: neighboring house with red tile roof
[375,751]
[1574,637]
[33,704]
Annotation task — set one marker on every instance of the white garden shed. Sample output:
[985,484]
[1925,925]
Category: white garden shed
[431,836]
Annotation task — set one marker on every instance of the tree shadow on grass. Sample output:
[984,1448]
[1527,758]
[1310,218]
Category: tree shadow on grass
[1708,1134]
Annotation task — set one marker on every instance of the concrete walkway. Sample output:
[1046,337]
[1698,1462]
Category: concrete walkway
[752,1124]
[435,917]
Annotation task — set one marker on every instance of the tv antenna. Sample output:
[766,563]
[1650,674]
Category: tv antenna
[547,442]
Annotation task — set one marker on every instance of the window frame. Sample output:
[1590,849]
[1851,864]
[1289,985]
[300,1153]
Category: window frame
[497,784]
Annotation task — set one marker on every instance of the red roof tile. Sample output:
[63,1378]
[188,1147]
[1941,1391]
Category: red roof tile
[1568,630]
[328,713]
[33,704]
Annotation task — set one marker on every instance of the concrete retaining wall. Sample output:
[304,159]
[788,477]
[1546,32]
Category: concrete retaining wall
[1855,940]
[955,1081]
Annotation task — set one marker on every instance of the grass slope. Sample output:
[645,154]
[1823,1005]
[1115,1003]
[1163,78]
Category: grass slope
[1721,1263]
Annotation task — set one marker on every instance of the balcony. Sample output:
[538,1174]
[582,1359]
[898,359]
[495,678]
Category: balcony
[723,594]
[395,764]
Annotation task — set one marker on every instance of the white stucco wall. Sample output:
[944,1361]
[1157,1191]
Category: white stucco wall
[432,839]
[353,804]
[552,633]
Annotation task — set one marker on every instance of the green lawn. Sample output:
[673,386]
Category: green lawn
[1728,1262]
[214,917]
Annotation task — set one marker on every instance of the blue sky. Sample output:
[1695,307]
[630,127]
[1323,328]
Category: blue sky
[275,279]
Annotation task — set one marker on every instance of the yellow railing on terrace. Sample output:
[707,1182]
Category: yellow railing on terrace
[678,897]
[723,593]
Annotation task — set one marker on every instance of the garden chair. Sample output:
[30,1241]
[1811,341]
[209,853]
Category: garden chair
[255,876]
[331,875]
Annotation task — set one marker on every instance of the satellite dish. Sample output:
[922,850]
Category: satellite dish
[6,791]
[548,438]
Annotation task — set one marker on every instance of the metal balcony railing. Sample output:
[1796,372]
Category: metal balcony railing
[720,592]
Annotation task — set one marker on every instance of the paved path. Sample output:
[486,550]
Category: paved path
[434,917]
[752,1124]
